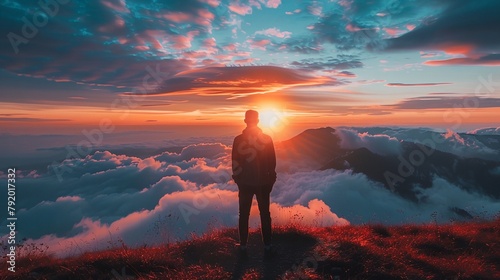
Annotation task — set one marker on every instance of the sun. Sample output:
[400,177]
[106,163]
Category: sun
[272,119]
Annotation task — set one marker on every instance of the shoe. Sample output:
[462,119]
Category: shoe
[243,251]
[270,252]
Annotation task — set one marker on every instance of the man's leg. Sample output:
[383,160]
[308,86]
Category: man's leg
[245,199]
[263,200]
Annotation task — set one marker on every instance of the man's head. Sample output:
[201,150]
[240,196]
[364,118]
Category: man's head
[251,117]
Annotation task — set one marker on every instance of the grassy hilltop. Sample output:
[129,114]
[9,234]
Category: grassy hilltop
[454,251]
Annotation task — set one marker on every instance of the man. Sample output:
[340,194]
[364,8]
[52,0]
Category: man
[254,163]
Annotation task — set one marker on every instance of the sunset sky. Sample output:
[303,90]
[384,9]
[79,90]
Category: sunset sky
[73,64]
[118,114]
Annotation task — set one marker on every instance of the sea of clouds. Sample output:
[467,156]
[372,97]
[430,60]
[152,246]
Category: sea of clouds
[105,198]
[384,140]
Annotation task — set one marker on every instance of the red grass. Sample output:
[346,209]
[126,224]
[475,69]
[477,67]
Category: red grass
[455,251]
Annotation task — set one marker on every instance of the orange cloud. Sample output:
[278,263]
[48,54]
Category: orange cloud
[181,42]
[205,17]
[416,85]
[393,31]
[177,17]
[275,32]
[351,28]
[239,81]
[231,47]
[259,44]
[119,6]
[464,49]
[240,9]
[213,3]
[489,60]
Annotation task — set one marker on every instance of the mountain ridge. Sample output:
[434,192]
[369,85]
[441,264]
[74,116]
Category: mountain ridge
[416,165]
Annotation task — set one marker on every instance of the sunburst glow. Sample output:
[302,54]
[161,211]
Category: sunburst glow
[272,119]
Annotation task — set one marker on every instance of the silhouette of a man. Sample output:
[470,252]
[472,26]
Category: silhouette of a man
[254,163]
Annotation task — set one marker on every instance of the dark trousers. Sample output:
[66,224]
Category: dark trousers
[245,196]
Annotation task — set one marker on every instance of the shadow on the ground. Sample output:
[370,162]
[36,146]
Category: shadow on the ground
[294,253]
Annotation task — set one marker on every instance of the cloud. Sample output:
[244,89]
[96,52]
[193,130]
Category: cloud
[315,213]
[496,171]
[151,227]
[465,145]
[117,5]
[359,200]
[444,102]
[486,131]
[115,48]
[274,32]
[357,24]
[69,198]
[346,74]
[9,119]
[463,23]
[273,3]
[259,44]
[202,150]
[178,215]
[296,11]
[107,197]
[342,62]
[106,186]
[469,27]
[112,48]
[342,34]
[304,45]
[240,9]
[213,3]
[416,85]
[315,8]
[378,143]
[239,81]
[486,60]
[403,25]
[177,17]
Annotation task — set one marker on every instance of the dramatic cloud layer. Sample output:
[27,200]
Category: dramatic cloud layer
[239,81]
[464,27]
[87,53]
[486,131]
[446,102]
[105,198]
[416,85]
[461,144]
[379,143]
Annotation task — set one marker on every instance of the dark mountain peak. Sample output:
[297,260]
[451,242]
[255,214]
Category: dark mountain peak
[316,147]
[317,134]
[324,135]
[326,129]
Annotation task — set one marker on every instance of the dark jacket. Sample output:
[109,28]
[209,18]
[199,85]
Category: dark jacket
[254,159]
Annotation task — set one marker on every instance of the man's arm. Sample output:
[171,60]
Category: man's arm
[272,159]
[236,161]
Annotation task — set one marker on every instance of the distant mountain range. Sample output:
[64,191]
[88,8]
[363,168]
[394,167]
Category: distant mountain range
[416,165]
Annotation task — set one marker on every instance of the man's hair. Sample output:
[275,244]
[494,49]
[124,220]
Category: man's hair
[251,117]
